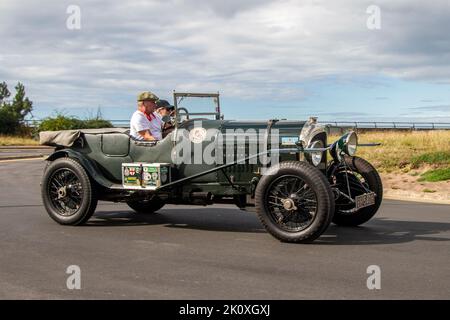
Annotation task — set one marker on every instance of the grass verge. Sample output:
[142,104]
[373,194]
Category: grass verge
[17,141]
[407,151]
[435,175]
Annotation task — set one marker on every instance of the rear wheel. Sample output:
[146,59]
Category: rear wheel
[362,178]
[67,192]
[146,206]
[294,202]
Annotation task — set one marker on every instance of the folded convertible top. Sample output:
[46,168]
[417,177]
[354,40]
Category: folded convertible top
[66,138]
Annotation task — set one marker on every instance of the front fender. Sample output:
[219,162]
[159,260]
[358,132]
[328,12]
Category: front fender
[87,164]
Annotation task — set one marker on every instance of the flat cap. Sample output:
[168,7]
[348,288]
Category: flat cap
[147,96]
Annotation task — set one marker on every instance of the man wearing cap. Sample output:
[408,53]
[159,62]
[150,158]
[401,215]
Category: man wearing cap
[143,123]
[163,115]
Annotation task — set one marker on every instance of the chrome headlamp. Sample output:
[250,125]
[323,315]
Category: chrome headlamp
[347,144]
[351,143]
[316,156]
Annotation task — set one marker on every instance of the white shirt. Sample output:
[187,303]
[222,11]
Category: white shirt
[139,122]
[158,124]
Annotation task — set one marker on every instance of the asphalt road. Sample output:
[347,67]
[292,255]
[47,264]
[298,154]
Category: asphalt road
[213,252]
[17,152]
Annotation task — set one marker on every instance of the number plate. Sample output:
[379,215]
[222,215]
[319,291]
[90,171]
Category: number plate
[365,200]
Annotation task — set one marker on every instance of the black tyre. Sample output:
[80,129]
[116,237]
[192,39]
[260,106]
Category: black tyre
[362,178]
[294,202]
[146,206]
[67,192]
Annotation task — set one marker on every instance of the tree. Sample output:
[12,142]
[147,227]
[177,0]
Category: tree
[21,105]
[12,114]
[4,92]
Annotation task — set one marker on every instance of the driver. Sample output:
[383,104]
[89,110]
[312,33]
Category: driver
[143,123]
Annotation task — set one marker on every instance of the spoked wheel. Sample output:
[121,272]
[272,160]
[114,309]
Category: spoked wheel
[353,178]
[294,202]
[67,192]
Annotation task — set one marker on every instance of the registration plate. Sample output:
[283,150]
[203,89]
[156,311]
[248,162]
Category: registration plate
[365,200]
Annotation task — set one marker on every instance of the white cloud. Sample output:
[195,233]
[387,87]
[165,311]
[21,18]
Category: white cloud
[242,48]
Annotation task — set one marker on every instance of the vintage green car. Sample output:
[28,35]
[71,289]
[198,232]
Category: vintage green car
[278,168]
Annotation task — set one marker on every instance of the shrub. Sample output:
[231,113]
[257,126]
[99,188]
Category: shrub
[97,123]
[63,122]
[8,122]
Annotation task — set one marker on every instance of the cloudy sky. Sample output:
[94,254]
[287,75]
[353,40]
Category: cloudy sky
[284,59]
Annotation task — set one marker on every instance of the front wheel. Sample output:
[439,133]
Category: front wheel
[294,202]
[67,192]
[360,177]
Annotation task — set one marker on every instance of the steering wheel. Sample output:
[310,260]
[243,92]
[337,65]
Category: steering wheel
[185,111]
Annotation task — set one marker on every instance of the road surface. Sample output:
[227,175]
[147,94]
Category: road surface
[216,252]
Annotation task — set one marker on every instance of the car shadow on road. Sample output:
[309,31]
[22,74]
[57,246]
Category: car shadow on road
[386,231]
[377,231]
[231,220]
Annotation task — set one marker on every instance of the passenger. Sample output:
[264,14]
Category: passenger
[164,115]
[143,123]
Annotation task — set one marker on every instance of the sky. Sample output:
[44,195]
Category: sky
[338,60]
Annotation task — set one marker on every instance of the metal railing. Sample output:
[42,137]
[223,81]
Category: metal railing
[371,125]
[389,125]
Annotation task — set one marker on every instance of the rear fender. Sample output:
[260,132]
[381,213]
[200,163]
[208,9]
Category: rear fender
[87,164]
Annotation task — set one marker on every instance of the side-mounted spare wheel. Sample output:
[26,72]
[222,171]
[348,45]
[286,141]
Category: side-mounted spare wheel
[146,206]
[67,192]
[294,202]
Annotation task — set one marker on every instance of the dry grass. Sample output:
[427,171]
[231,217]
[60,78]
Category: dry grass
[405,151]
[17,141]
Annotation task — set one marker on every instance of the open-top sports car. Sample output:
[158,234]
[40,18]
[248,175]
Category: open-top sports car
[279,168]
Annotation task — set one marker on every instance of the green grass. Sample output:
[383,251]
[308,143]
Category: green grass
[442,174]
[428,190]
[438,157]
